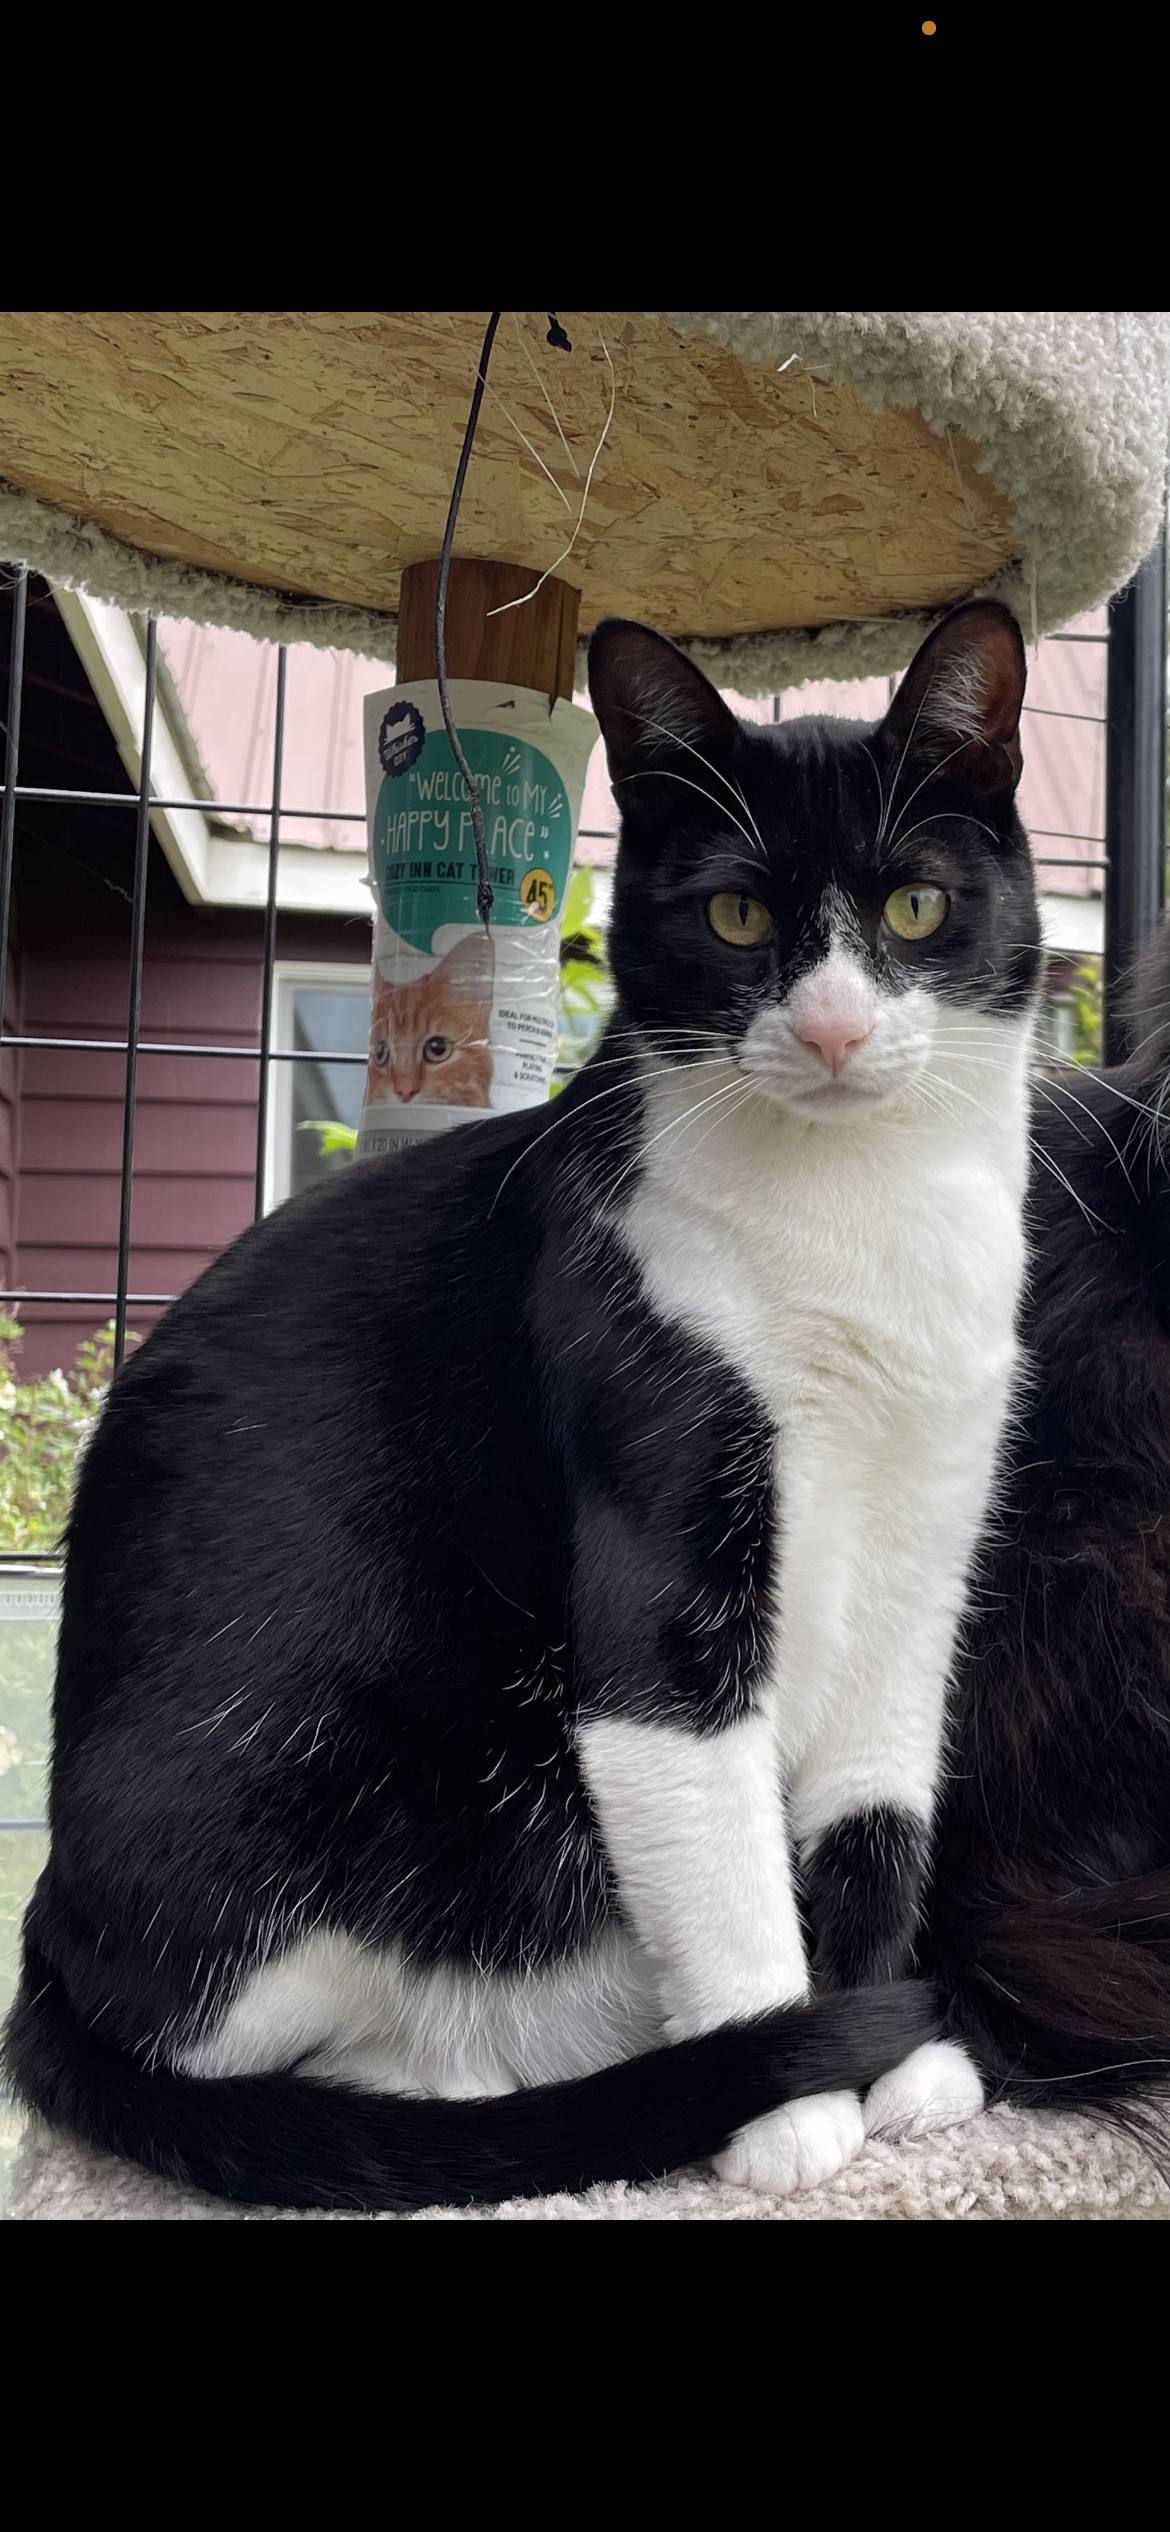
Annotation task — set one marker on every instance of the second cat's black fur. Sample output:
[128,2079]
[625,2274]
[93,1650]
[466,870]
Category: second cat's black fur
[1050,1915]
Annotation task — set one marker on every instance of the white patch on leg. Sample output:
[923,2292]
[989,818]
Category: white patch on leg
[798,2147]
[936,2087]
[694,1829]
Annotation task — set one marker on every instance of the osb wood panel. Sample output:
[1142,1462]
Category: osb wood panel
[314,452]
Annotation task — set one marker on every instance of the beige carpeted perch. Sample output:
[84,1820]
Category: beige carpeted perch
[1006,2167]
[790,493]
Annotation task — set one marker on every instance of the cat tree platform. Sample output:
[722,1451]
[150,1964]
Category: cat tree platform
[790,494]
[1005,2167]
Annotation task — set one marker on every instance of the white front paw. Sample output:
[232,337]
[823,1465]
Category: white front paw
[935,2088]
[797,2147]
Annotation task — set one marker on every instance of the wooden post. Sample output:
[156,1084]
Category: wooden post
[1135,779]
[534,645]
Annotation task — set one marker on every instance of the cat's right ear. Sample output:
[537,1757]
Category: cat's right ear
[958,707]
[655,708]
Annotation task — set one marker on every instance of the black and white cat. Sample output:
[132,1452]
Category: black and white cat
[511,1597]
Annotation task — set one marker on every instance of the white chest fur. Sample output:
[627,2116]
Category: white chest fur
[863,1280]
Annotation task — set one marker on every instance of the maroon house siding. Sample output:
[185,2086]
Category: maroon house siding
[196,1117]
[61,1113]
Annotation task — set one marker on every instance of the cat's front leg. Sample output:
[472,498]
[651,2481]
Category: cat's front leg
[693,1824]
[676,1735]
[863,1880]
[694,1827]
[864,1776]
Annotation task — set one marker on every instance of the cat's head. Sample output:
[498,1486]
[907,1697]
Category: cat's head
[431,1040]
[839,908]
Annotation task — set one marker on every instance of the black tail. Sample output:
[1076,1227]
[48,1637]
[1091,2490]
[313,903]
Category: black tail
[1065,2002]
[288,2141]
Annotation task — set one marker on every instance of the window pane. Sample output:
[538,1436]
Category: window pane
[333,1018]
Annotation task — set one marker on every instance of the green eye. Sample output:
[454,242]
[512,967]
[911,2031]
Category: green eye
[741,920]
[914,912]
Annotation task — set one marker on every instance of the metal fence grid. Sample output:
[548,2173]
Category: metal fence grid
[134,1046]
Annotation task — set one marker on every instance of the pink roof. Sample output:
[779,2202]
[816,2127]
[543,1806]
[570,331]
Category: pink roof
[227,684]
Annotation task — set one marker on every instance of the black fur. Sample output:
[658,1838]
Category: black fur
[1050,1917]
[863,1886]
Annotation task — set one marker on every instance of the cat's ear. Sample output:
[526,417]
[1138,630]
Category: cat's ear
[957,710]
[654,706]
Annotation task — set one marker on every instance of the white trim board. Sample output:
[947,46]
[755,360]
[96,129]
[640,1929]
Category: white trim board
[211,869]
[1073,923]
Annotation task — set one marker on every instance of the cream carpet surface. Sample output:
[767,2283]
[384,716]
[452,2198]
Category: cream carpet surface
[1006,2166]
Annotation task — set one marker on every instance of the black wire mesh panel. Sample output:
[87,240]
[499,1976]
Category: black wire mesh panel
[115,809]
[133,1047]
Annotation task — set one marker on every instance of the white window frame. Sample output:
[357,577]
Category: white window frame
[287,974]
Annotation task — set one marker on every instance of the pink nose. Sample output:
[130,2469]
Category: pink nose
[834,1045]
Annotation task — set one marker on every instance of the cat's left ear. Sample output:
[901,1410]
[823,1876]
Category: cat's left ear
[654,706]
[957,710]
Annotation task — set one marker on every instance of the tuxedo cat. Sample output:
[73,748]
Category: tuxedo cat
[511,1596]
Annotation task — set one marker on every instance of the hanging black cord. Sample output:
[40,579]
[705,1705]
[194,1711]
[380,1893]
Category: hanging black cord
[484,900]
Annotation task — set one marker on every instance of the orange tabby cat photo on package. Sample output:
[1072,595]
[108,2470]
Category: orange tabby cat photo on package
[431,1040]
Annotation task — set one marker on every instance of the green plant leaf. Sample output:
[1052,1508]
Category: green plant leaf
[578,900]
[334,1137]
[42,1423]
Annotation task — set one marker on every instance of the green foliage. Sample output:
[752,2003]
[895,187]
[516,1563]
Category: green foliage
[42,1423]
[333,1135]
[586,991]
[1087,1005]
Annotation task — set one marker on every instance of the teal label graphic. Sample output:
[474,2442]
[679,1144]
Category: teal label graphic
[463,1021]
[425,870]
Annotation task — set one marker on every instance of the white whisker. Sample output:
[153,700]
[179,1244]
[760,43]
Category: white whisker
[663,730]
[943,762]
[725,1091]
[663,774]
